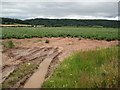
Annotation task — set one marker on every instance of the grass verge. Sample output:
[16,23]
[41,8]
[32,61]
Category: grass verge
[87,69]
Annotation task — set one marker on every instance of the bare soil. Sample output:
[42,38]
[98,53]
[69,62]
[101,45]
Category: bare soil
[46,55]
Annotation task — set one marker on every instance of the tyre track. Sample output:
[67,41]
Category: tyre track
[15,57]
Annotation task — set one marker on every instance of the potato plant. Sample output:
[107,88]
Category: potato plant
[83,32]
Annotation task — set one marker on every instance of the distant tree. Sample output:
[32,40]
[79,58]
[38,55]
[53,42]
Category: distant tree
[63,22]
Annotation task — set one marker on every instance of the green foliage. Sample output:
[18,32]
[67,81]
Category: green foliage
[18,42]
[36,41]
[8,44]
[47,41]
[87,69]
[79,38]
[63,22]
[0,86]
[83,32]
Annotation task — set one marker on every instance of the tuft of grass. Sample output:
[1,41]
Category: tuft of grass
[47,41]
[0,42]
[18,42]
[0,86]
[79,38]
[21,72]
[29,40]
[8,44]
[37,41]
[87,69]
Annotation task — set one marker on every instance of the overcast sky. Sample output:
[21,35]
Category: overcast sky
[72,9]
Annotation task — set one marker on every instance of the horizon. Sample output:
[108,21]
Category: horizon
[59,19]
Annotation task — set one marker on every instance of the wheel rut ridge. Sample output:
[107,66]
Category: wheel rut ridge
[36,55]
[21,58]
[36,80]
[52,66]
[37,52]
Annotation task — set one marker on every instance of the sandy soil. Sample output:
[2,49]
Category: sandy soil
[68,45]
[36,50]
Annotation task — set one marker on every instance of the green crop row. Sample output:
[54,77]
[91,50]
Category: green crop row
[81,32]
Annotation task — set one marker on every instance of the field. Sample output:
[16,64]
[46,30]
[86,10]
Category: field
[59,57]
[108,34]
[59,45]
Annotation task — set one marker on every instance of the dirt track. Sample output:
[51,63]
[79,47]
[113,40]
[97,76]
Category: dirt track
[15,57]
[45,55]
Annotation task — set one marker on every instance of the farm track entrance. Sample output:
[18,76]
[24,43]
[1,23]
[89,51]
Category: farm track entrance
[43,57]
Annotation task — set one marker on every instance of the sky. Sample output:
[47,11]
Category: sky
[70,9]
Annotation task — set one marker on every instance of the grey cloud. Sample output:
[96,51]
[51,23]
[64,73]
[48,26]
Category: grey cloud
[25,10]
[60,0]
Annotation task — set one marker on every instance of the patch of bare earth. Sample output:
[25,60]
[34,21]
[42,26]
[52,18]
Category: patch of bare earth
[45,55]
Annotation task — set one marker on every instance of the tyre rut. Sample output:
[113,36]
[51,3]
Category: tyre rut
[41,56]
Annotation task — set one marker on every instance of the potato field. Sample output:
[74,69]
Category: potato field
[108,34]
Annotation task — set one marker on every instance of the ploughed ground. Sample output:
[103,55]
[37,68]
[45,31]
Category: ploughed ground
[46,57]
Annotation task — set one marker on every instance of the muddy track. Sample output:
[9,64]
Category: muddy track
[44,57]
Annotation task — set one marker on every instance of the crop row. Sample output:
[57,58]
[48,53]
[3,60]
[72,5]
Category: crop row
[83,32]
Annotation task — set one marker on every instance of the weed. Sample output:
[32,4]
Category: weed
[79,38]
[0,42]
[0,86]
[37,41]
[29,40]
[18,42]
[47,41]
[8,44]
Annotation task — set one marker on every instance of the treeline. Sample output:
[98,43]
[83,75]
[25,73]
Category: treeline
[11,21]
[63,22]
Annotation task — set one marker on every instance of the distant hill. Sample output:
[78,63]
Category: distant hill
[63,22]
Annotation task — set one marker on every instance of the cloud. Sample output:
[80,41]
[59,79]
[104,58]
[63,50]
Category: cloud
[60,0]
[75,10]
